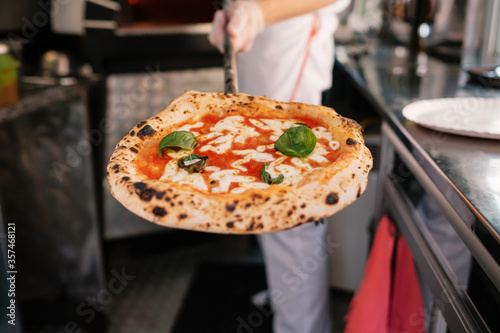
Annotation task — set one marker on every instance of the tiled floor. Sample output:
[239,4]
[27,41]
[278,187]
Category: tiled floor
[151,302]
[162,268]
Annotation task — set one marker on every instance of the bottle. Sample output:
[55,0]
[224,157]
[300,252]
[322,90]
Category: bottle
[9,87]
[481,46]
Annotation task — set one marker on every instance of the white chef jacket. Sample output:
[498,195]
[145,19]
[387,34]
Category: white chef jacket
[275,64]
[293,60]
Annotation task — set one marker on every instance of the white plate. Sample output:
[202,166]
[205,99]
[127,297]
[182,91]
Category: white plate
[470,116]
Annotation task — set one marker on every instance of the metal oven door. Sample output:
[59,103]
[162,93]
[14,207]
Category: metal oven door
[126,36]
[132,16]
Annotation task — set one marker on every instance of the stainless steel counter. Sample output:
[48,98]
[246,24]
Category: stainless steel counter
[457,164]
[460,174]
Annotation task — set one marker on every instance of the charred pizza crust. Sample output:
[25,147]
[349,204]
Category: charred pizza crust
[321,192]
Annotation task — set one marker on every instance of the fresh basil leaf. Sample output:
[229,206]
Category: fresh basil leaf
[179,139]
[303,124]
[193,163]
[266,176]
[277,180]
[297,141]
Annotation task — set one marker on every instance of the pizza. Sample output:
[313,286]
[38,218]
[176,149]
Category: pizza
[239,164]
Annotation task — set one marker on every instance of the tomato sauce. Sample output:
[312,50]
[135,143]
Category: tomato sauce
[149,163]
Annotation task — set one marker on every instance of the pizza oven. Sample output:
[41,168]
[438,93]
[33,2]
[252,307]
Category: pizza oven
[150,52]
[132,17]
[163,17]
[128,35]
[132,98]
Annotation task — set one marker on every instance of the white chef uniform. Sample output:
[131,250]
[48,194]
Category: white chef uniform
[292,60]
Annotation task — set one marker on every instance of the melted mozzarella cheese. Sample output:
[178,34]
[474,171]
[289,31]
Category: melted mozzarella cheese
[212,168]
[209,136]
[175,174]
[189,127]
[261,185]
[172,171]
[176,154]
[194,179]
[321,132]
[271,169]
[231,130]
[254,155]
[238,190]
[318,154]
[292,174]
[220,145]
[334,145]
[246,132]
[261,149]
[278,126]
[231,124]
[226,177]
[250,154]
[274,138]
[217,175]
[237,132]
[257,123]
[224,184]
[299,164]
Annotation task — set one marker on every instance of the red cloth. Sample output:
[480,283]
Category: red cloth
[389,298]
[407,310]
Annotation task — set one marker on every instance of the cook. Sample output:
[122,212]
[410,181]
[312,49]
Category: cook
[286,52]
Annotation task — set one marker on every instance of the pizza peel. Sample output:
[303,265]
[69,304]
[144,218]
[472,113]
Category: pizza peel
[230,75]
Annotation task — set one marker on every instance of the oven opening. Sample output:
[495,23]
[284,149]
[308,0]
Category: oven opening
[165,16]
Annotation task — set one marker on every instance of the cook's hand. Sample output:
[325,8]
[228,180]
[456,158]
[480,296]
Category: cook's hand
[246,21]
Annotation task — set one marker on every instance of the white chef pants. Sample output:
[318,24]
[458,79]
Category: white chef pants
[293,61]
[297,276]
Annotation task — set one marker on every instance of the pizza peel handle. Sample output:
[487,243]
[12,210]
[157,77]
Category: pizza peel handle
[230,78]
